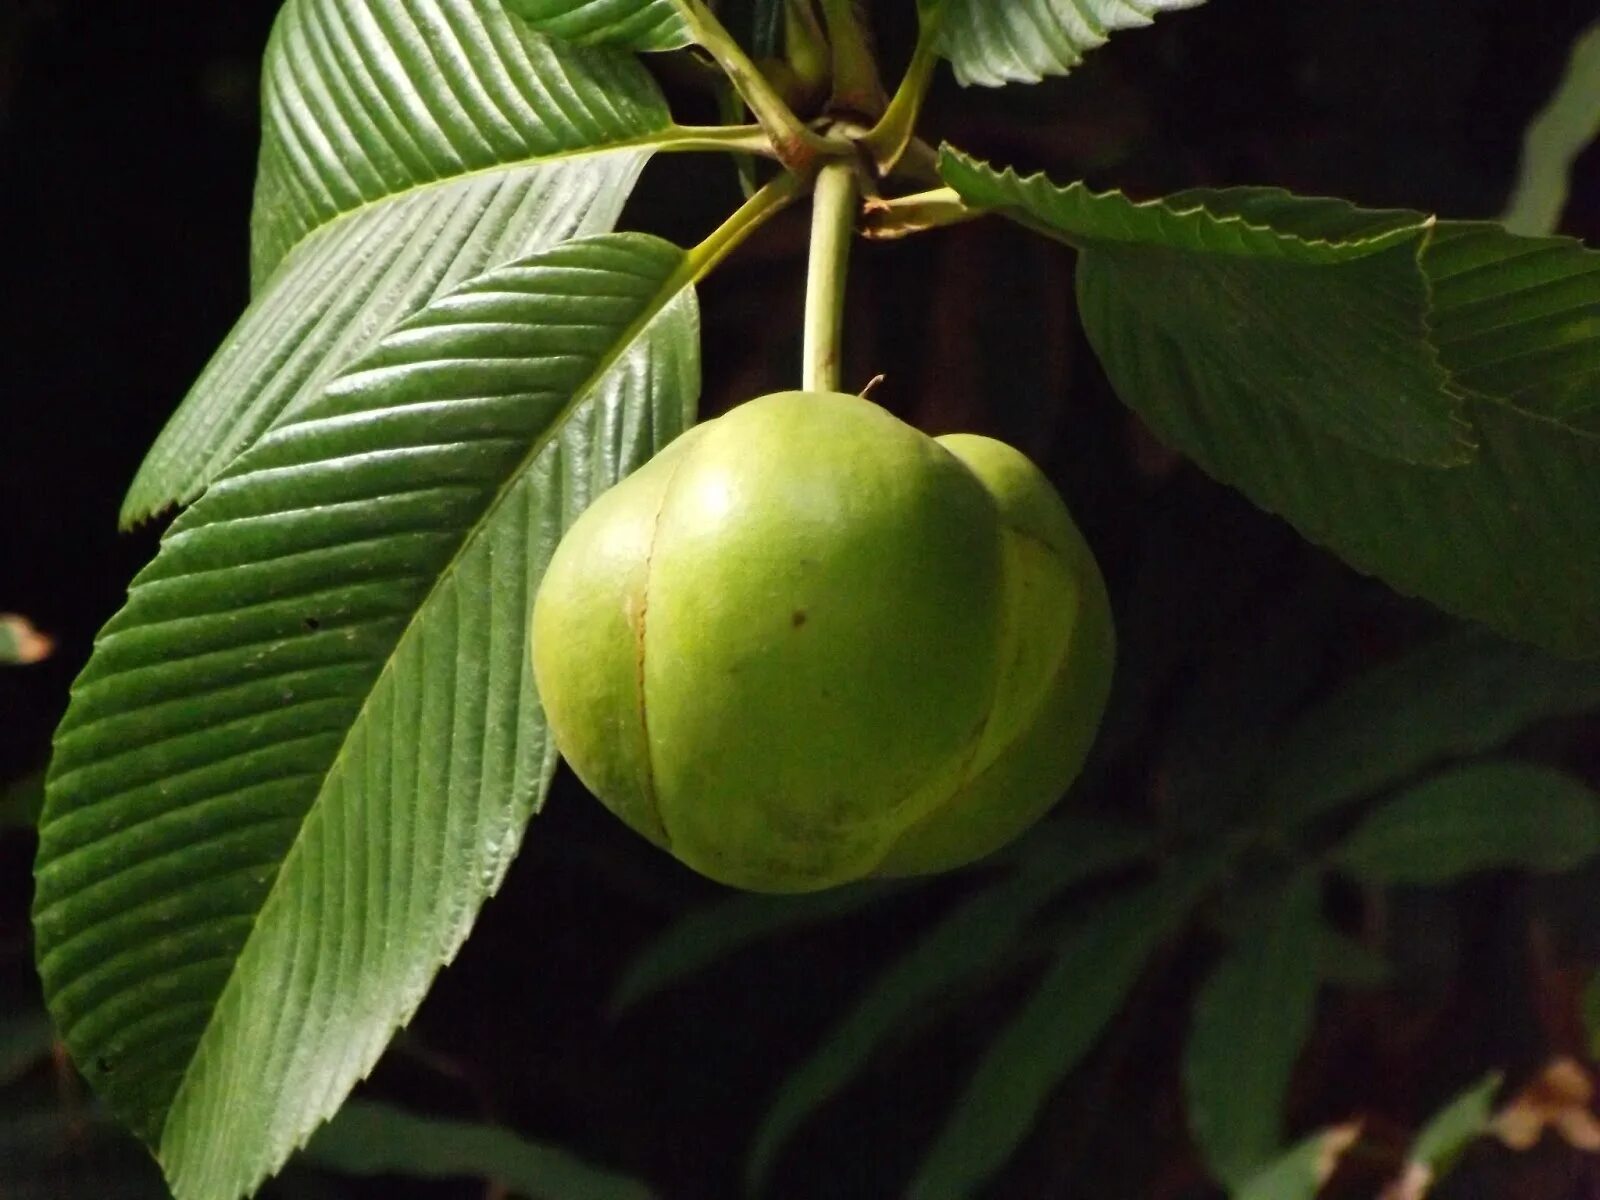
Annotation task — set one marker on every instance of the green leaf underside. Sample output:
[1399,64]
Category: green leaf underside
[1321,309]
[1467,693]
[1456,1126]
[368,1138]
[961,944]
[406,148]
[1063,1018]
[1510,538]
[304,752]
[1250,1021]
[991,42]
[1479,817]
[636,24]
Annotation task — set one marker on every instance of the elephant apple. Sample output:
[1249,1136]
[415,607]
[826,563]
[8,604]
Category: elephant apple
[807,643]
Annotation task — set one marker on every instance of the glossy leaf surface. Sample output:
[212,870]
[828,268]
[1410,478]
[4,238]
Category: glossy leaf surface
[304,752]
[405,148]
[992,42]
[636,24]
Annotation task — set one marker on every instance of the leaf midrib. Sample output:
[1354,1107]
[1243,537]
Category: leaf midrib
[1039,181]
[681,277]
[651,141]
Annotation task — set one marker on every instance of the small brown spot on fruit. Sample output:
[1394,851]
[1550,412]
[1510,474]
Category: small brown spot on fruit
[799,618]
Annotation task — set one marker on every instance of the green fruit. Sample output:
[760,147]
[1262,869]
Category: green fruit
[1056,652]
[807,643]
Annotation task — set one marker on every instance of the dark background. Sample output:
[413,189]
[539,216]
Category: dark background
[127,144]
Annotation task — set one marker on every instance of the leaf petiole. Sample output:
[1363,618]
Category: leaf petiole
[777,195]
[793,144]
[888,139]
[734,139]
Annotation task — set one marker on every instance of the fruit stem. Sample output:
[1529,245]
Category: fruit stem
[888,139]
[833,216]
[795,146]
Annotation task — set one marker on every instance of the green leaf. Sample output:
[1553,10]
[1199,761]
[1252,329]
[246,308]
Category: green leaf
[1555,139]
[962,944]
[304,752]
[711,934]
[1063,1018]
[368,1138]
[1456,1126]
[1464,694]
[1476,818]
[991,42]
[1511,539]
[636,24]
[1314,306]
[363,102]
[1250,1021]
[406,147]
[1300,1174]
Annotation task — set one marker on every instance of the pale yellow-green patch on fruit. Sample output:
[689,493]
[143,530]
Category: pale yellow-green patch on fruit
[808,643]
[586,629]
[1058,647]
